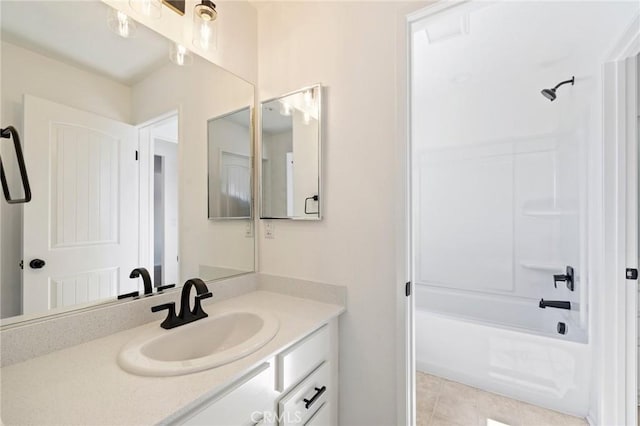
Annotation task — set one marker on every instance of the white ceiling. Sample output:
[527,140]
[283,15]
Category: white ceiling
[77,33]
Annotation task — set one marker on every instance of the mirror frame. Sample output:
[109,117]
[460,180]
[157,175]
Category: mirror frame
[252,153]
[320,88]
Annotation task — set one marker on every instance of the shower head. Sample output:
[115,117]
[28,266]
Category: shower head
[551,93]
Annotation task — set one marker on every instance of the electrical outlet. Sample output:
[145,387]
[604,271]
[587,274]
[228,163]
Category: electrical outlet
[248,229]
[269,228]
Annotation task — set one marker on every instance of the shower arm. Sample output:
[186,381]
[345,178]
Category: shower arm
[572,81]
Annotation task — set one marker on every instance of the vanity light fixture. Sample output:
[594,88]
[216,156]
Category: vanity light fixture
[121,24]
[204,27]
[150,8]
[180,55]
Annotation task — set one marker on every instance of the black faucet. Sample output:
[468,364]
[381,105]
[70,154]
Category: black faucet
[559,304]
[146,279]
[186,314]
[148,286]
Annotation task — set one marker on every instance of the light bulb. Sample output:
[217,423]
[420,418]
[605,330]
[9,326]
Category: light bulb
[150,8]
[308,97]
[285,109]
[121,24]
[205,35]
[180,55]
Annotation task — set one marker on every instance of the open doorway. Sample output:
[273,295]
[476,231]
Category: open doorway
[509,187]
[159,199]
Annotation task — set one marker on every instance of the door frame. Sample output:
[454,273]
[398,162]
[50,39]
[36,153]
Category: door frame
[615,398]
[615,326]
[145,178]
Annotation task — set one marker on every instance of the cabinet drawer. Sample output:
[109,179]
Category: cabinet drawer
[299,405]
[298,361]
[243,404]
[322,417]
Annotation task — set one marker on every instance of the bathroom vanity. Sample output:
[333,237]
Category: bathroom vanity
[292,379]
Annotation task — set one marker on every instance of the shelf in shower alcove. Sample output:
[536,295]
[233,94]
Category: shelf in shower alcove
[549,212]
[542,266]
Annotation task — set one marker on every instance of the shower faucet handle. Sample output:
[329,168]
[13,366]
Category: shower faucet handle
[568,278]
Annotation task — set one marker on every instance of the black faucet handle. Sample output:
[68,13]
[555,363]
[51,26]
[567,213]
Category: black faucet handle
[197,311]
[165,287]
[132,294]
[568,278]
[204,295]
[171,306]
[171,320]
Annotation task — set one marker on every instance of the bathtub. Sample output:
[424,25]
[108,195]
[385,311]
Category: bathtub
[526,360]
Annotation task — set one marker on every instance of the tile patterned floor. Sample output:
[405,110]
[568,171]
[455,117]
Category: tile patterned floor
[442,402]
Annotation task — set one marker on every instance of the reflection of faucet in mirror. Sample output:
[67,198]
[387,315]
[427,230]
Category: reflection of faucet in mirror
[146,279]
[186,314]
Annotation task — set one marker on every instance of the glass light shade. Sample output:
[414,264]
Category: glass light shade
[180,55]
[150,8]
[204,25]
[121,24]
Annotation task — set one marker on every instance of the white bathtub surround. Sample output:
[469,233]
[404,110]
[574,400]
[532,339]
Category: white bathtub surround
[84,385]
[540,370]
[443,402]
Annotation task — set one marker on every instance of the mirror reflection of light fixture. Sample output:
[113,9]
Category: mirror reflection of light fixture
[308,97]
[204,27]
[121,24]
[285,109]
[180,55]
[150,8]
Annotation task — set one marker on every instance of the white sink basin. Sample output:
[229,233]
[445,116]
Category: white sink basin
[216,340]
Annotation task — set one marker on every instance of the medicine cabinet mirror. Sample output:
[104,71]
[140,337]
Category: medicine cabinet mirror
[291,155]
[115,143]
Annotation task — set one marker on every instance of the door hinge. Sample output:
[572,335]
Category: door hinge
[407,289]
[136,155]
[632,274]
[21,264]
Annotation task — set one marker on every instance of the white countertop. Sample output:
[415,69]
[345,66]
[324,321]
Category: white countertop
[84,385]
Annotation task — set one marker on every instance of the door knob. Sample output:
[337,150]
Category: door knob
[37,263]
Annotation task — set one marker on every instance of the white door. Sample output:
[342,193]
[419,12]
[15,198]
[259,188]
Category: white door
[83,218]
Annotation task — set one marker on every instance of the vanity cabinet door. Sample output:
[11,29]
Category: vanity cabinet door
[247,402]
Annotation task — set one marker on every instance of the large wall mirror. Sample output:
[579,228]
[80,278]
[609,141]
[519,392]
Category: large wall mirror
[115,139]
[291,155]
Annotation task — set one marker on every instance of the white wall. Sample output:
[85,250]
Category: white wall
[26,72]
[357,51]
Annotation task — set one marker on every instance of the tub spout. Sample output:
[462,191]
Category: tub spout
[559,304]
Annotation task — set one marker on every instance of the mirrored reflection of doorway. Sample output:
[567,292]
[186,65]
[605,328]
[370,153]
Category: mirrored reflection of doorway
[159,208]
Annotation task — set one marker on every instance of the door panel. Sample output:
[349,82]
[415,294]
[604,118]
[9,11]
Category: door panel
[82,220]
